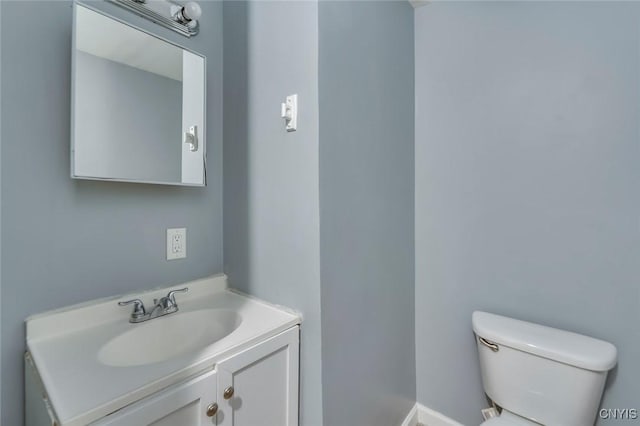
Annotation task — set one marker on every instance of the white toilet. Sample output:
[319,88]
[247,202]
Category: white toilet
[540,375]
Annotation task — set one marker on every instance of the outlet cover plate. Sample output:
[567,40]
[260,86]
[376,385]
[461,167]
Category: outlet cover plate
[176,243]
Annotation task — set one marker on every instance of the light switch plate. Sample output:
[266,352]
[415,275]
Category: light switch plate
[176,243]
[289,111]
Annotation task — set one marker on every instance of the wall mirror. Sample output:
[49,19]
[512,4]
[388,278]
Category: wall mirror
[138,105]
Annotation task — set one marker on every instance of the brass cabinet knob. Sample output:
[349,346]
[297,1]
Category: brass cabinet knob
[212,409]
[228,392]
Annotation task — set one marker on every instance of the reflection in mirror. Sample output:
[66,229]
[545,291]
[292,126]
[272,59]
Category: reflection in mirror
[138,105]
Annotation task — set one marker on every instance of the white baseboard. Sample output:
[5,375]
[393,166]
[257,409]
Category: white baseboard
[427,417]
[412,417]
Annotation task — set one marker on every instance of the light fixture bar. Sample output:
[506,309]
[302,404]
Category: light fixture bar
[166,20]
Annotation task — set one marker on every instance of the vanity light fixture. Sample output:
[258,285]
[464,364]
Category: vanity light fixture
[181,18]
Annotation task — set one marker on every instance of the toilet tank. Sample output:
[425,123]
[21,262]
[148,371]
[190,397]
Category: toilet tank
[553,377]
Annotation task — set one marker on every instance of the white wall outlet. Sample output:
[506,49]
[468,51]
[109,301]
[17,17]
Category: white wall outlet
[176,243]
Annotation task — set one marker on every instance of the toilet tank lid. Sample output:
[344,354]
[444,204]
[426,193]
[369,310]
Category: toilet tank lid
[558,345]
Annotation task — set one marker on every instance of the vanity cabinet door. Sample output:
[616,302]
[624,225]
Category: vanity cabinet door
[185,404]
[259,386]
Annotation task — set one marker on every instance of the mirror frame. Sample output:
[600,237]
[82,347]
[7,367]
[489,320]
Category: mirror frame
[202,140]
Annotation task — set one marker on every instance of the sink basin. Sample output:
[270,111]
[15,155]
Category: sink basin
[168,337]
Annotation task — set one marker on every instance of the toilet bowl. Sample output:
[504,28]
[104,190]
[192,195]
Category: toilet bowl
[540,375]
[507,418]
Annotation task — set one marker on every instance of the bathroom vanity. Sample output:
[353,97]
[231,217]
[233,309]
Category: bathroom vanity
[222,358]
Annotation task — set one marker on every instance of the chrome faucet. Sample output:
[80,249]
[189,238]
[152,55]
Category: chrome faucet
[161,307]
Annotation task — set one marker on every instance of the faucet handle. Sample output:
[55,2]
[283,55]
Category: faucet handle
[138,308]
[171,296]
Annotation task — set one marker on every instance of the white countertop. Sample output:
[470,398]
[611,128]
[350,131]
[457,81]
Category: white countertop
[64,345]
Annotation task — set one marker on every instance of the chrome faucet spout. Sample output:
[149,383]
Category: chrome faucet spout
[157,304]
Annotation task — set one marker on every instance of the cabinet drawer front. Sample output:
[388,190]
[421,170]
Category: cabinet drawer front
[182,404]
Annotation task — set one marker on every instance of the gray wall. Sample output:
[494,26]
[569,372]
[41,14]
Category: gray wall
[271,213]
[527,180]
[128,122]
[67,241]
[0,219]
[366,211]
